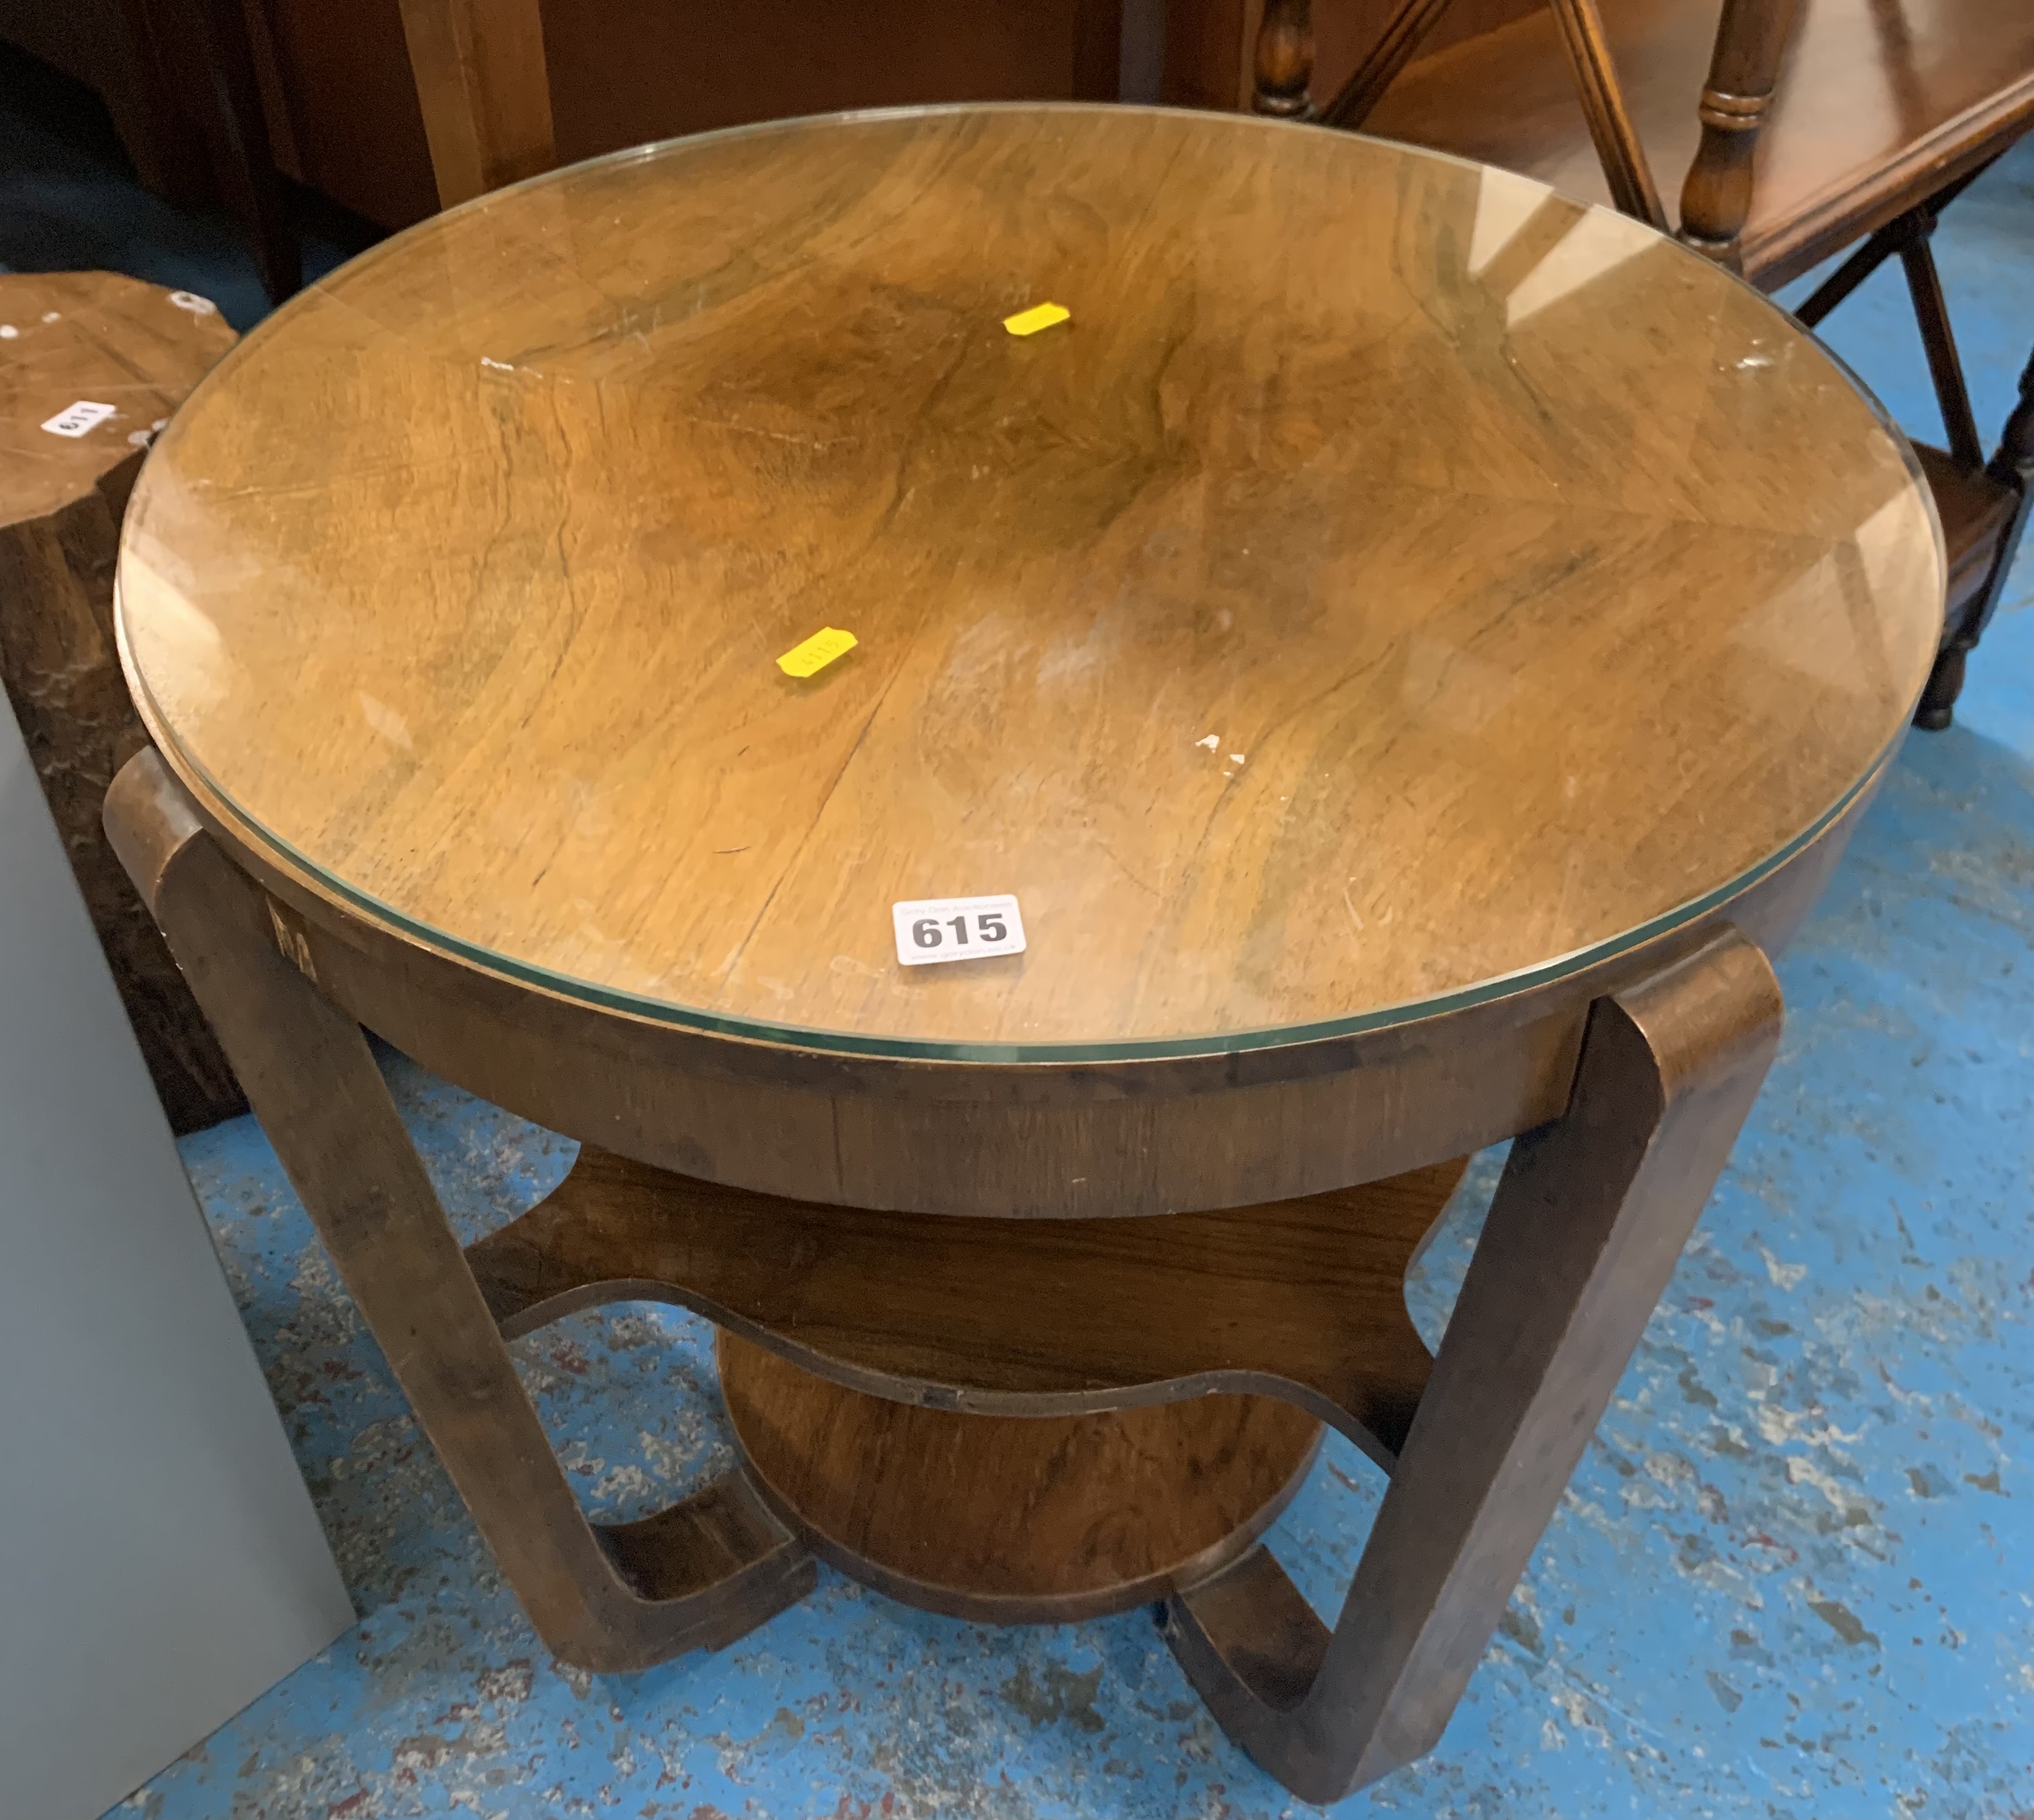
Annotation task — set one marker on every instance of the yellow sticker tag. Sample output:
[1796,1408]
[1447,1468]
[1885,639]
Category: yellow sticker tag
[1039,316]
[818,651]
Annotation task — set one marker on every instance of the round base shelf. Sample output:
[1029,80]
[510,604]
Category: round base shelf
[1013,1519]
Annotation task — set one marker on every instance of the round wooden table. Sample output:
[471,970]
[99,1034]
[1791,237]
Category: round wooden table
[1410,646]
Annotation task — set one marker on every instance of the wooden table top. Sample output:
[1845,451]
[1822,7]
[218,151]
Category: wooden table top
[1394,584]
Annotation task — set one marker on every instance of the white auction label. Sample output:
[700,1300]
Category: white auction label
[957,929]
[76,419]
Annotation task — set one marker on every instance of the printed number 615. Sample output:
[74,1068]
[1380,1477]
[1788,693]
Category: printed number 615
[931,929]
[930,932]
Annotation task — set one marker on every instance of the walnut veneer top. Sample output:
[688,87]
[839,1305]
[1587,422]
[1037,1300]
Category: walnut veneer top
[1395,581]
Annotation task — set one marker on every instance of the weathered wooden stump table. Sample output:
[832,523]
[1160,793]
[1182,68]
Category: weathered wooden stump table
[92,364]
[1410,646]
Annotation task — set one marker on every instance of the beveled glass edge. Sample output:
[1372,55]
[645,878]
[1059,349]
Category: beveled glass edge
[797,1036]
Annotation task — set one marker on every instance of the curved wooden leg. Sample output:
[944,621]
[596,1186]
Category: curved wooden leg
[608,1597]
[1589,1219]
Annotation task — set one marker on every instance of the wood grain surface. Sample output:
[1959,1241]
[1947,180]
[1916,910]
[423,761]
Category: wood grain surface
[1392,579]
[610,1597]
[1582,1237]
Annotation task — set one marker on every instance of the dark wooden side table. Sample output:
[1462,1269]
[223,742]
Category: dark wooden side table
[92,365]
[1411,646]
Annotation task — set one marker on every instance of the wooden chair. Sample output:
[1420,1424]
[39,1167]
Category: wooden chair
[1803,129]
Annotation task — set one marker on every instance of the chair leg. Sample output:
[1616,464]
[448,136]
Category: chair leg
[1587,1222]
[1283,62]
[1744,69]
[1937,709]
[608,1597]
[1945,371]
[2014,458]
[2012,464]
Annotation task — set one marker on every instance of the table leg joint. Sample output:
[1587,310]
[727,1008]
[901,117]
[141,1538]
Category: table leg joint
[611,1598]
[722,1548]
[1588,1221]
[1247,1634]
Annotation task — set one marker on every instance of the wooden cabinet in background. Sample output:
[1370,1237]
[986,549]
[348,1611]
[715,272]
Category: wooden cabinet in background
[340,100]
[346,121]
[344,118]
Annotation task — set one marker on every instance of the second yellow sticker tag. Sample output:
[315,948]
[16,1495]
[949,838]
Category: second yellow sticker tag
[1039,316]
[818,651]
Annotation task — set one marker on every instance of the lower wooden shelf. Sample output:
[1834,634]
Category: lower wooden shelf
[1013,1519]
[1303,1298]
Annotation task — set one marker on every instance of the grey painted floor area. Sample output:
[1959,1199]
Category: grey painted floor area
[1792,1577]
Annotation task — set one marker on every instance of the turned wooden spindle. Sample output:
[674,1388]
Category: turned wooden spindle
[2011,465]
[2012,461]
[1285,62]
[1716,199]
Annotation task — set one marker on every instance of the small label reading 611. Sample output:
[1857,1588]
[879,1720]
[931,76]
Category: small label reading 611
[77,419]
[957,929]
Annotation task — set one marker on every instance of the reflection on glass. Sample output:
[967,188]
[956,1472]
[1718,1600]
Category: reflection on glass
[1394,582]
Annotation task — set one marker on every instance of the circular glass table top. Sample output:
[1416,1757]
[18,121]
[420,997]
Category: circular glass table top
[1391,584]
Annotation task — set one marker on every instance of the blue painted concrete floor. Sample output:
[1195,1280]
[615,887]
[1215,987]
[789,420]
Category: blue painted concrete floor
[1794,1576]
